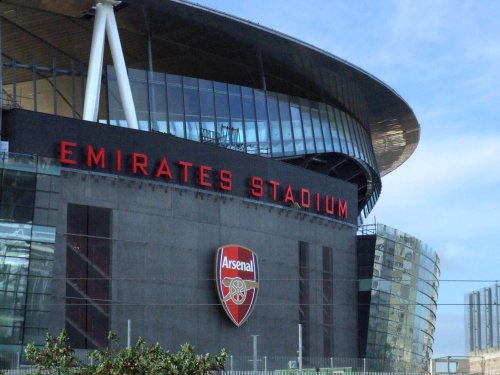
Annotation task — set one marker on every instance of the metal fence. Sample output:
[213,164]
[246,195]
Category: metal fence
[323,371]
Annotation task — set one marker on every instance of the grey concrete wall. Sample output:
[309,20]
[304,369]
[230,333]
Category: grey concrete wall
[164,246]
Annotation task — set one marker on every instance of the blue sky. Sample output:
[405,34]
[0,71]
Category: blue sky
[443,58]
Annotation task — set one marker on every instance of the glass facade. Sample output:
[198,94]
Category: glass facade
[483,319]
[262,122]
[242,118]
[402,284]
[27,240]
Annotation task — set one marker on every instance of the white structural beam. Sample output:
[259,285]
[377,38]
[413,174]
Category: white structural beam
[94,73]
[121,70]
[105,22]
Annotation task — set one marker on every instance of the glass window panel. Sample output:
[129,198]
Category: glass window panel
[340,131]
[297,129]
[363,146]
[286,125]
[176,125]
[11,332]
[207,103]
[232,134]
[13,265]
[19,179]
[42,250]
[18,197]
[137,75]
[246,91]
[190,82]
[318,131]
[140,95]
[352,132]
[248,108]
[40,267]
[157,77]
[334,129]
[221,105]
[12,248]
[235,106]
[260,105]
[220,86]
[251,137]
[327,129]
[204,84]
[359,142]
[208,124]
[263,132]
[191,101]
[174,79]
[347,133]
[19,163]
[25,94]
[308,129]
[192,128]
[234,89]
[43,234]
[15,231]
[159,108]
[274,120]
[12,299]
[175,102]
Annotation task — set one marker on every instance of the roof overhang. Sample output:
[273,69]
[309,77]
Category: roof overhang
[193,40]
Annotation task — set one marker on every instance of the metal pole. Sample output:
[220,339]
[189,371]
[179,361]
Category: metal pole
[265,363]
[129,334]
[300,348]
[364,366]
[448,362]
[121,69]
[94,73]
[231,363]
[18,360]
[255,353]
[331,362]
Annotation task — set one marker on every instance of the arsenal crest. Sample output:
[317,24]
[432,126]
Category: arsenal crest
[237,280]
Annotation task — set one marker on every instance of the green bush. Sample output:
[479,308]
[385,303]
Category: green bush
[58,357]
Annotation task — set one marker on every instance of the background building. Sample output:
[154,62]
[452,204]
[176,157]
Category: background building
[483,329]
[240,135]
[483,319]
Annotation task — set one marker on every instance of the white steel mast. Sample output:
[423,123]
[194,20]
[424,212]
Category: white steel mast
[105,23]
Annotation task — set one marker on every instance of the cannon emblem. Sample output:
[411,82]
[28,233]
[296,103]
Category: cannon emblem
[237,281]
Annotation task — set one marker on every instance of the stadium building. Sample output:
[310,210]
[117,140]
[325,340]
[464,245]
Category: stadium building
[192,172]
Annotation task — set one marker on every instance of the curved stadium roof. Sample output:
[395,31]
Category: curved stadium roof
[196,41]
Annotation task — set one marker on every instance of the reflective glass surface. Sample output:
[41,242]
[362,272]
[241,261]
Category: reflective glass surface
[263,123]
[403,300]
[26,249]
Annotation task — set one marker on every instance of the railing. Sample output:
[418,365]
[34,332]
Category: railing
[29,163]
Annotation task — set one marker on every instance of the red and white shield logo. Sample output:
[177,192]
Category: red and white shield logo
[237,280]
